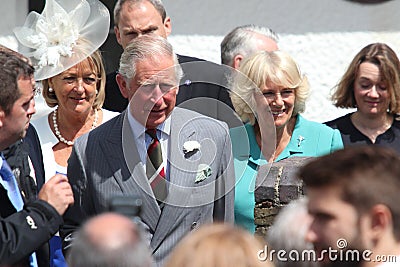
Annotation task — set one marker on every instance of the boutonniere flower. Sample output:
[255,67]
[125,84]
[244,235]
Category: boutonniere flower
[191,146]
[203,172]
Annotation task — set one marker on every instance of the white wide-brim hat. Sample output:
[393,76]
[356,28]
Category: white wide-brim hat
[66,33]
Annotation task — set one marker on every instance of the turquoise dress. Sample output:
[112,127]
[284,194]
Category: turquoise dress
[309,139]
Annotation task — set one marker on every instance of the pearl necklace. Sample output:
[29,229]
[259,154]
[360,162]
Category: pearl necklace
[57,131]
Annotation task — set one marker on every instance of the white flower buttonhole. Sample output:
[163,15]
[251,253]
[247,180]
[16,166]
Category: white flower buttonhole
[190,147]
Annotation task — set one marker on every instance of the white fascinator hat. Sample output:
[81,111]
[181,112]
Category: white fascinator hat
[64,34]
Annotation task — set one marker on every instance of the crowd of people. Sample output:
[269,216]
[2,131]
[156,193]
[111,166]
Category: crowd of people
[155,164]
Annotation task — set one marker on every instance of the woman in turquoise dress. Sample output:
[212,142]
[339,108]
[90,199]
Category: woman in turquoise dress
[268,95]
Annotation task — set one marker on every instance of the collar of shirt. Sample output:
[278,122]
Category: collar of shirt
[1,166]
[294,146]
[1,160]
[142,140]
[255,155]
[3,180]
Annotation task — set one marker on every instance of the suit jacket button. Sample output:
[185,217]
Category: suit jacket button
[194,226]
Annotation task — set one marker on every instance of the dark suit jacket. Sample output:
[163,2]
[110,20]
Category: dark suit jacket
[21,236]
[105,162]
[35,154]
[203,89]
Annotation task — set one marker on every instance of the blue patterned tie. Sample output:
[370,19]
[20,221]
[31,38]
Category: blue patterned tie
[10,184]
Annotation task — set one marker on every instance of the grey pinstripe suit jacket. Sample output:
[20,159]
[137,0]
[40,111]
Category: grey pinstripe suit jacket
[105,162]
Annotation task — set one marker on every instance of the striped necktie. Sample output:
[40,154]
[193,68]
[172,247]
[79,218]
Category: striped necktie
[154,167]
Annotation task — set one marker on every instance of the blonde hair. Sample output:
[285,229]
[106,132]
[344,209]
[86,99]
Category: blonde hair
[219,245]
[95,62]
[276,67]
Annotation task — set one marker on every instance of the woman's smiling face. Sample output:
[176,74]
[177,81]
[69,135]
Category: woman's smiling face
[280,101]
[75,88]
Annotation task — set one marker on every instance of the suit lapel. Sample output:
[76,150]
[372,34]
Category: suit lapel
[128,169]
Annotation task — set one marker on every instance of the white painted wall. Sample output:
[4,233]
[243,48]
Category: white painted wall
[322,35]
[323,57]
[217,17]
[12,13]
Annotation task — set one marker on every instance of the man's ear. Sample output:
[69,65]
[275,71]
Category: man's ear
[2,117]
[123,86]
[117,35]
[236,61]
[167,25]
[381,220]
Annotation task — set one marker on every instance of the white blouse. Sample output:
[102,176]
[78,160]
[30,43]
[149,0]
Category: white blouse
[48,140]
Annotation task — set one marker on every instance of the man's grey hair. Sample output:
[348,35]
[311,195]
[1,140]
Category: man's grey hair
[158,5]
[147,47]
[88,250]
[284,236]
[241,41]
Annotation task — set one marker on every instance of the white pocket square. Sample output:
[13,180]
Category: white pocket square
[203,171]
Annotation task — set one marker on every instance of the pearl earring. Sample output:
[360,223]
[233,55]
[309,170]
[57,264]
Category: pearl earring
[97,92]
[51,90]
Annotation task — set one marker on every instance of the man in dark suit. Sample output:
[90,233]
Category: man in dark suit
[26,162]
[22,156]
[204,80]
[190,182]
[25,223]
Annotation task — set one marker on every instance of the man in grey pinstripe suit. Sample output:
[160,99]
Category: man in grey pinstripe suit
[196,154]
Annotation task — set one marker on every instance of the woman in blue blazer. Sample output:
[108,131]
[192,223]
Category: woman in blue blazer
[268,95]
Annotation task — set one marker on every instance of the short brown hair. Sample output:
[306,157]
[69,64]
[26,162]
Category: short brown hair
[158,5]
[13,67]
[389,65]
[365,175]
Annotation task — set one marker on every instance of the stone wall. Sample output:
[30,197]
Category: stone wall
[276,185]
